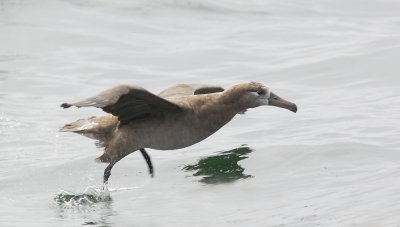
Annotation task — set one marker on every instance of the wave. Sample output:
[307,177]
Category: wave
[251,6]
[286,8]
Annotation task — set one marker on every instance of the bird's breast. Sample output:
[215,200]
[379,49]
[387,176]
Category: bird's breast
[176,132]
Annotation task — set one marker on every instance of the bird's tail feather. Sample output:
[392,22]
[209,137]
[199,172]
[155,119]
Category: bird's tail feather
[100,128]
[77,126]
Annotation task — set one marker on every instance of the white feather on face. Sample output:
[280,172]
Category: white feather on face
[261,96]
[258,98]
[248,95]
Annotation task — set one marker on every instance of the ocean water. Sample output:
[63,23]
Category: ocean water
[334,163]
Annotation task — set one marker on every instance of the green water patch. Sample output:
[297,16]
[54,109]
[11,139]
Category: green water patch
[90,196]
[221,168]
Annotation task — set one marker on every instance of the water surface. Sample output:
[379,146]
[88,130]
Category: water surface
[334,163]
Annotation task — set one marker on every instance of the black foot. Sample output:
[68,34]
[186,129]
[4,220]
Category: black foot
[148,161]
[107,173]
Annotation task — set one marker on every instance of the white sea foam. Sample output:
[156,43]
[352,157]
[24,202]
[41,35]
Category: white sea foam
[85,200]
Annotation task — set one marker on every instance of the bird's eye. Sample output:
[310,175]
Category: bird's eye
[261,91]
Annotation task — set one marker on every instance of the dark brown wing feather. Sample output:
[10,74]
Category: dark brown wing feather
[128,103]
[208,90]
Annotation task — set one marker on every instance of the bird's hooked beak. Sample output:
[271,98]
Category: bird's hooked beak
[277,101]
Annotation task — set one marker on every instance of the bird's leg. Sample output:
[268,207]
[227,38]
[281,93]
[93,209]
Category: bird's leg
[148,161]
[107,174]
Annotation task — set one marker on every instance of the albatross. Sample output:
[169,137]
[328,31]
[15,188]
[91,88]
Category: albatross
[178,117]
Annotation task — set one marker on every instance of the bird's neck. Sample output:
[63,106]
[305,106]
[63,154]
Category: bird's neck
[231,99]
[212,113]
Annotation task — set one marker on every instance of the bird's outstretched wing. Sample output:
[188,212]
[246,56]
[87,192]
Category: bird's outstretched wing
[189,89]
[128,103]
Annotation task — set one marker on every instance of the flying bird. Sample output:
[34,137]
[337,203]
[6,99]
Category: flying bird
[178,117]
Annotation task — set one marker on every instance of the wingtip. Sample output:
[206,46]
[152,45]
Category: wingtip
[65,105]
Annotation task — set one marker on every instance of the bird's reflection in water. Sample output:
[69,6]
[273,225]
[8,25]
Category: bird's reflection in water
[221,168]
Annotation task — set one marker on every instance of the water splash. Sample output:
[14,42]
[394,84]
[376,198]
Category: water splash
[89,197]
[221,168]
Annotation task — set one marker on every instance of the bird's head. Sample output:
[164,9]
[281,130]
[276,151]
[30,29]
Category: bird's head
[254,94]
